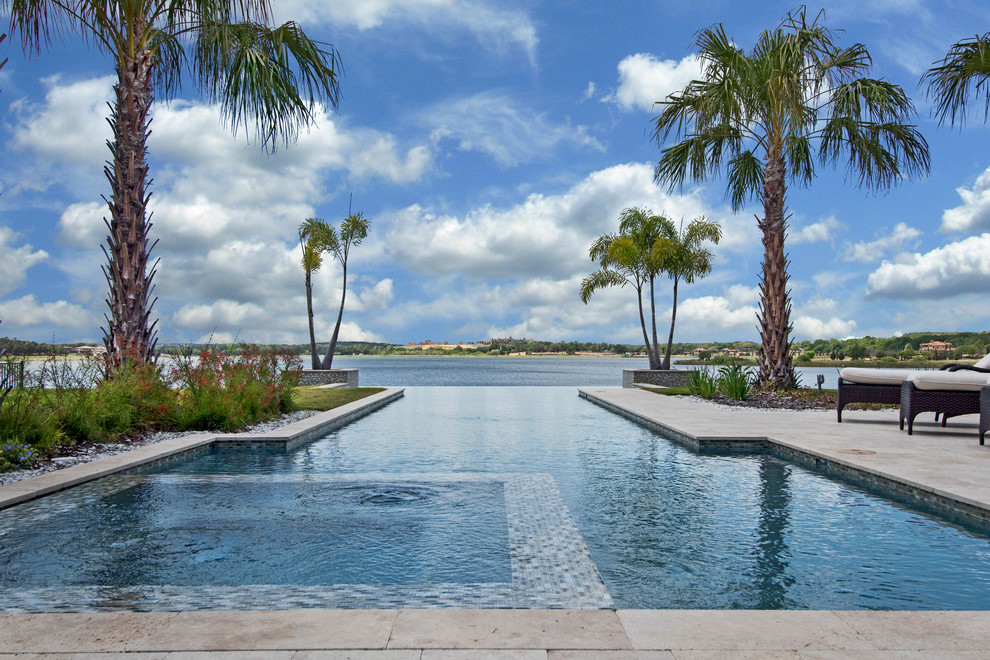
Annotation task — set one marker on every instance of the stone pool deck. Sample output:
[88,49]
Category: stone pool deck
[947,463]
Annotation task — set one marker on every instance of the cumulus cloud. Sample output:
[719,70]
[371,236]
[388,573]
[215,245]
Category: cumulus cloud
[875,250]
[706,316]
[27,311]
[375,297]
[821,317]
[495,27]
[543,235]
[645,80]
[498,125]
[14,262]
[816,232]
[974,213]
[955,269]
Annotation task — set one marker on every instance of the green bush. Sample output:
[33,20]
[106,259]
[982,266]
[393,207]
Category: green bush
[734,382]
[703,383]
[68,403]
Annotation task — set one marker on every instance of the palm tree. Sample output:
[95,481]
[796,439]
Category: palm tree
[681,254]
[761,115]
[320,237]
[271,77]
[626,258]
[964,69]
[311,233]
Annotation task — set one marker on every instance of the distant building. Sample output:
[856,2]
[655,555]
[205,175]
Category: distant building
[936,347]
[90,350]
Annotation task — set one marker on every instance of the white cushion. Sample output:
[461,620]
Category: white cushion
[984,362]
[950,380]
[867,376]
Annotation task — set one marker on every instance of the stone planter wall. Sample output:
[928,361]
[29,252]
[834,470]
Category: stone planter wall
[655,377]
[347,377]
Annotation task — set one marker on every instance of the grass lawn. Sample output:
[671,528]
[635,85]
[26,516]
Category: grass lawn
[327,398]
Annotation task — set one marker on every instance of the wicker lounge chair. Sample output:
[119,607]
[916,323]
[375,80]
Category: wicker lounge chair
[949,393]
[867,385]
[984,412]
[859,385]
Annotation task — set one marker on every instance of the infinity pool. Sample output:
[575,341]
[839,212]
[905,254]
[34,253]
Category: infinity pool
[475,496]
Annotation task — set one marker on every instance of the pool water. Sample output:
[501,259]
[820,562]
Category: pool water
[666,527]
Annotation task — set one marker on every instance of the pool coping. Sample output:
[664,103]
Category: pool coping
[284,437]
[902,486]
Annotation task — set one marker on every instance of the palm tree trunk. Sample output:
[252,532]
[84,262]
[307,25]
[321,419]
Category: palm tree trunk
[128,335]
[328,358]
[670,339]
[655,357]
[642,323]
[309,309]
[775,370]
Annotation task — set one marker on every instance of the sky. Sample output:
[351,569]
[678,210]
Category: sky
[488,142]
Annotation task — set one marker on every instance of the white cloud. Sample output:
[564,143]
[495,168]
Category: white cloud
[952,270]
[496,124]
[974,213]
[376,297]
[26,311]
[869,251]
[819,318]
[495,27]
[707,316]
[589,92]
[822,230]
[542,236]
[645,80]
[14,262]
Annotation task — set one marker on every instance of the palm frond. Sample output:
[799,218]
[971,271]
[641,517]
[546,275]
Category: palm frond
[600,279]
[272,77]
[964,71]
[745,179]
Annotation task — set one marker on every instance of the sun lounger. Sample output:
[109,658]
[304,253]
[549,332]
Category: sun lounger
[949,393]
[861,385]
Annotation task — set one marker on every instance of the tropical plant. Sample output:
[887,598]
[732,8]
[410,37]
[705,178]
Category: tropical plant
[271,75]
[734,381]
[703,383]
[312,261]
[760,115]
[318,238]
[964,70]
[627,258]
[680,253]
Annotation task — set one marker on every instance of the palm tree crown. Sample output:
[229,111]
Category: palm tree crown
[964,70]
[766,117]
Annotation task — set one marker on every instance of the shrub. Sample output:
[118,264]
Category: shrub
[225,392]
[734,382]
[703,383]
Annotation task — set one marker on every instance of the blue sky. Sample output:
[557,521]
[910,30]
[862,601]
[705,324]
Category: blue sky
[488,142]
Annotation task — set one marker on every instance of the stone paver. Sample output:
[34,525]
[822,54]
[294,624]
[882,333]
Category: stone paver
[508,629]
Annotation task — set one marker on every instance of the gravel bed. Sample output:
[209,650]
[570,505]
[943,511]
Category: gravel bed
[767,402]
[84,453]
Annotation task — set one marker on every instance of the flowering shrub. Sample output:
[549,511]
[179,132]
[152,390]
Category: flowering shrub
[80,402]
[227,392]
[14,455]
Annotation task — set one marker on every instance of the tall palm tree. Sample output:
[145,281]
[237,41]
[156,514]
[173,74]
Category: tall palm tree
[681,254]
[761,115]
[626,258]
[311,239]
[965,69]
[267,76]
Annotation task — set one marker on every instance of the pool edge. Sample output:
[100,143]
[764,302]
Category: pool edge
[931,499]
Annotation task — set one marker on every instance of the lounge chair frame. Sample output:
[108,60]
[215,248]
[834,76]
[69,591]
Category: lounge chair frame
[984,412]
[948,403]
[850,392]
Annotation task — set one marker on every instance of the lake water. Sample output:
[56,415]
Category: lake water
[522,371]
